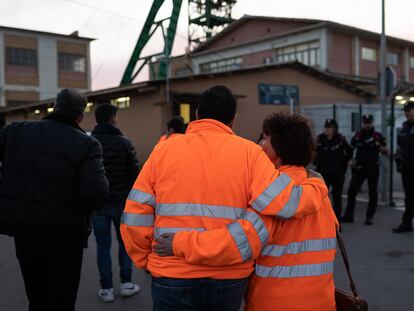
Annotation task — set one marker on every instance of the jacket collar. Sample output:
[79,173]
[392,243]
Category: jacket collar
[208,125]
[106,129]
[63,119]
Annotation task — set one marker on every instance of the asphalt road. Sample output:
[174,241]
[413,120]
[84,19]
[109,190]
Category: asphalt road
[382,264]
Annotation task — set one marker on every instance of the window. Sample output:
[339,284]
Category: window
[121,102]
[412,62]
[228,64]
[393,58]
[71,62]
[21,57]
[369,54]
[306,53]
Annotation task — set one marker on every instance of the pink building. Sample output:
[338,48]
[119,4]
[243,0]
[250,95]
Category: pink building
[345,51]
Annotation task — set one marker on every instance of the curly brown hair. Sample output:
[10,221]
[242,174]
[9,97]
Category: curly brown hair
[291,138]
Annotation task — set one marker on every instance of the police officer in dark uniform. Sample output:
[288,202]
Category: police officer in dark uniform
[368,144]
[405,164]
[332,156]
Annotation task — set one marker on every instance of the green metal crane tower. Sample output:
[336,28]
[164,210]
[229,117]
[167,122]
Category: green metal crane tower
[206,18]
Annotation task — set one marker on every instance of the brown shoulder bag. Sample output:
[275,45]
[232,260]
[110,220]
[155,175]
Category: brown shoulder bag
[346,301]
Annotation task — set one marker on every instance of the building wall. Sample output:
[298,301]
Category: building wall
[44,81]
[250,113]
[254,48]
[255,29]
[340,54]
[48,63]
[369,68]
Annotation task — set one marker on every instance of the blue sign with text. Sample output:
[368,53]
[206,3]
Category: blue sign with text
[277,94]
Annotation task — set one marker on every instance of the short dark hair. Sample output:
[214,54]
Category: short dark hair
[217,103]
[2,121]
[176,124]
[291,138]
[105,112]
[70,103]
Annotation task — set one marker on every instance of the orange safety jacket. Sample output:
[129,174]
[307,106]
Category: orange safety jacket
[162,138]
[165,137]
[205,180]
[293,272]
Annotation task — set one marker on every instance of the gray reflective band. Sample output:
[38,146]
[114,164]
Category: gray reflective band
[137,220]
[271,192]
[160,230]
[258,225]
[241,240]
[203,210]
[292,205]
[300,247]
[141,197]
[294,271]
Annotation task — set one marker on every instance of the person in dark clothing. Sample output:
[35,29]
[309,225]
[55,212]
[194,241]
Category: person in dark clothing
[53,179]
[175,126]
[333,154]
[368,144]
[405,142]
[122,168]
[2,122]
[2,125]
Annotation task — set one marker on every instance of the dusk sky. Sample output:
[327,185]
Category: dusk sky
[116,24]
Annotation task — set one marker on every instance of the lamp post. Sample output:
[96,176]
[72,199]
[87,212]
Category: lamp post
[383,98]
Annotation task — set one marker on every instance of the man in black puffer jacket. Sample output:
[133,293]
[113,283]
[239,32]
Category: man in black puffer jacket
[122,169]
[53,179]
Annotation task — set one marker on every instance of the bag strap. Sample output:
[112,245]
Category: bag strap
[346,262]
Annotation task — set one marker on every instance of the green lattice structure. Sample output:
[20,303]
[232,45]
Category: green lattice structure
[206,18]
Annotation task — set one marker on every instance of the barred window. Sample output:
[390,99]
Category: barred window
[21,57]
[306,53]
[369,54]
[228,64]
[72,62]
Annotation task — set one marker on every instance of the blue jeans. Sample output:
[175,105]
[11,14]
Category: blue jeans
[102,231]
[197,294]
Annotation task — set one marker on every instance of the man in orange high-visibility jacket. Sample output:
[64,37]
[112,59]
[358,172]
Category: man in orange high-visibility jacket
[294,270]
[204,180]
[175,127]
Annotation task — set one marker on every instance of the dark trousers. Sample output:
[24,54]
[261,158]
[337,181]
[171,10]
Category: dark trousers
[102,223]
[408,184]
[197,294]
[335,179]
[51,271]
[358,177]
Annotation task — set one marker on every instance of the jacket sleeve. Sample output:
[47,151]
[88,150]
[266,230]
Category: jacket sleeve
[274,194]
[133,163]
[240,241]
[93,185]
[137,222]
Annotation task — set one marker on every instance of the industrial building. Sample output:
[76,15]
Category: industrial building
[35,65]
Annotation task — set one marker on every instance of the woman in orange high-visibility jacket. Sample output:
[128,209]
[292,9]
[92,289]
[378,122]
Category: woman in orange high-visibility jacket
[294,271]
[205,180]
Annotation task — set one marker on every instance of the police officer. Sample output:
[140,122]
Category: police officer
[405,164]
[332,156]
[368,144]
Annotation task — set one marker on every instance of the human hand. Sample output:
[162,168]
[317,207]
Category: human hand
[164,246]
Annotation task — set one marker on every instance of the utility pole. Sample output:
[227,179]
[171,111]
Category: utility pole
[383,99]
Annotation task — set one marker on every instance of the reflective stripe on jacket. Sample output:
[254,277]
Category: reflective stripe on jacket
[205,180]
[293,271]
